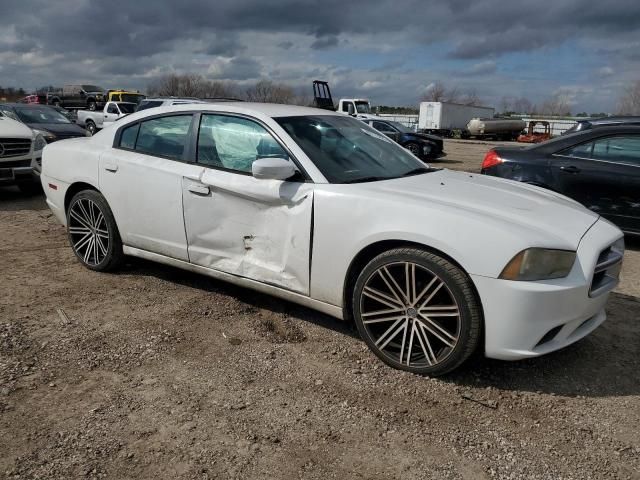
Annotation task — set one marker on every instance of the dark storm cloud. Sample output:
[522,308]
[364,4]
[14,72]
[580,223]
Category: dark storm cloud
[328,41]
[120,40]
[144,27]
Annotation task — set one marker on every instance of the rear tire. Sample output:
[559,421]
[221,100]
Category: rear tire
[93,232]
[91,105]
[417,311]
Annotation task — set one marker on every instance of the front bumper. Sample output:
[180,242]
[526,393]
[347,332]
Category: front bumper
[528,319]
[20,170]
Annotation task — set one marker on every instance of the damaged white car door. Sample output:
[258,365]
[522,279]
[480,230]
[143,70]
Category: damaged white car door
[239,224]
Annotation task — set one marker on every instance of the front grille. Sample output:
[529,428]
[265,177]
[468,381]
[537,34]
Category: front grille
[14,147]
[15,163]
[607,270]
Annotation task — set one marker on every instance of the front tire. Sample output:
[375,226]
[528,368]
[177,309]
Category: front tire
[93,232]
[91,127]
[413,148]
[417,311]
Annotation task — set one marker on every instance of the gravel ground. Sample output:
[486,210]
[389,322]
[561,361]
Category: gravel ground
[159,373]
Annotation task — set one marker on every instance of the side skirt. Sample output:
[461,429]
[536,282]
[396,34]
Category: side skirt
[323,307]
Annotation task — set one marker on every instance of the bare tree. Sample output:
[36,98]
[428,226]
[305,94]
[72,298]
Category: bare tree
[471,98]
[523,105]
[190,85]
[438,92]
[629,102]
[559,105]
[266,91]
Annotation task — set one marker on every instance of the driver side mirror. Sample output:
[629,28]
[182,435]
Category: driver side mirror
[273,168]
[350,109]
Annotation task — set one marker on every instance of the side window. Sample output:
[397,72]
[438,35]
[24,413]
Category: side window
[621,149]
[164,136]
[233,143]
[345,106]
[128,137]
[112,109]
[382,127]
[583,150]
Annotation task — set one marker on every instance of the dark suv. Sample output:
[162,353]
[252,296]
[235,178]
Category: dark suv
[90,97]
[587,124]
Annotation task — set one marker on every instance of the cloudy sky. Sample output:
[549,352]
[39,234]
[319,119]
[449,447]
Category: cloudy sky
[389,51]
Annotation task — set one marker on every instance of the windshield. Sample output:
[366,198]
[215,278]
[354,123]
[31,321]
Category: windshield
[40,115]
[400,127]
[363,107]
[127,107]
[347,150]
[92,88]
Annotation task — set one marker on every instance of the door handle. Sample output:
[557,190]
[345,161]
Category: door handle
[110,167]
[201,190]
[570,169]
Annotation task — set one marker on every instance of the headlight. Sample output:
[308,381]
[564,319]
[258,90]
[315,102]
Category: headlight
[39,143]
[539,264]
[48,136]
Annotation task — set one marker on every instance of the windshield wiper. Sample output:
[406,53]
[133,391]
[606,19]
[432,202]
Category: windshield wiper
[366,179]
[417,171]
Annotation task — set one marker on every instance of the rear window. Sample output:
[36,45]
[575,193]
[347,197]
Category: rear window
[162,136]
[149,104]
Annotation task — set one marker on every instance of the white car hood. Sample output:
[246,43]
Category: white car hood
[10,128]
[529,207]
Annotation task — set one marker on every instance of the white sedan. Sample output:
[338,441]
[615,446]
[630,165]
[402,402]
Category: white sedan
[320,209]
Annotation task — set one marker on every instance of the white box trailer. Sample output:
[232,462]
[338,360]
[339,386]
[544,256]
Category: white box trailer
[443,117]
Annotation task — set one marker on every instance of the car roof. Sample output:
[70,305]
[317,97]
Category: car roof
[169,98]
[606,120]
[247,108]
[27,105]
[575,138]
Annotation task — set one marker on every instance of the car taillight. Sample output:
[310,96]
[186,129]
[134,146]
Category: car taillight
[491,159]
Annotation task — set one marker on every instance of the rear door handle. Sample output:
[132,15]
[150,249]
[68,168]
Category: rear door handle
[110,167]
[570,169]
[199,189]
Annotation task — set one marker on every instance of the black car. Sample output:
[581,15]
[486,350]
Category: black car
[44,118]
[422,145]
[590,123]
[600,168]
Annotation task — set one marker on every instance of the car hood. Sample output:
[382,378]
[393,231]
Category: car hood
[63,130]
[531,208]
[10,128]
[426,136]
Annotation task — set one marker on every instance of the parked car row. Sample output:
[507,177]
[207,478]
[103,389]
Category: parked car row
[90,97]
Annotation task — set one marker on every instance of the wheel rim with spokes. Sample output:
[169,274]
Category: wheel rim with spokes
[89,231]
[410,314]
[413,148]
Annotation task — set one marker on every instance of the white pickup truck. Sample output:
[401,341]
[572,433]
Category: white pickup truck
[94,121]
[356,107]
